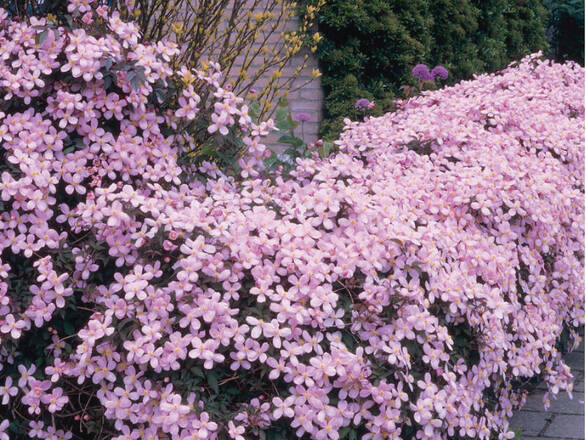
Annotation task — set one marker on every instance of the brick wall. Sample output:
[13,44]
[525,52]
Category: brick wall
[308,99]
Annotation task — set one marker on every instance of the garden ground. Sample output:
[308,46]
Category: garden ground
[564,420]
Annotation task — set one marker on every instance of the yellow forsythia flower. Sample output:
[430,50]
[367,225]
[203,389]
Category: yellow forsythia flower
[177,27]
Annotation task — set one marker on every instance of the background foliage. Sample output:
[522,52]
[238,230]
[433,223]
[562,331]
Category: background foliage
[369,47]
[567,29]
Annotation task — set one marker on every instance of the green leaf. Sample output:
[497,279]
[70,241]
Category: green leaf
[293,152]
[283,119]
[518,432]
[212,380]
[272,161]
[254,110]
[107,82]
[348,341]
[136,78]
[291,140]
[135,83]
[281,114]
[326,149]
[287,125]
[140,74]
[68,328]
[122,66]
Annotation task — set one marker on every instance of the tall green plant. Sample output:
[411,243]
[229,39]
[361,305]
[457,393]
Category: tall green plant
[370,47]
[368,50]
[454,22]
[567,29]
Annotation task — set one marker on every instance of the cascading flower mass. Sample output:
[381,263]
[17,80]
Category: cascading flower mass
[404,287]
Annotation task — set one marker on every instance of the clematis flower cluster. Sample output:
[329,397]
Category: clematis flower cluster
[404,288]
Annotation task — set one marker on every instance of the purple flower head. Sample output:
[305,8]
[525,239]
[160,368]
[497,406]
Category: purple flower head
[440,72]
[363,104]
[422,73]
[302,117]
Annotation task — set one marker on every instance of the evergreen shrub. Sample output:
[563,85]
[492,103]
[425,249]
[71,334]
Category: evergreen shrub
[370,46]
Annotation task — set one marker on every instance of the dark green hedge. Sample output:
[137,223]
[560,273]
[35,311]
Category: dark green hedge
[567,29]
[370,46]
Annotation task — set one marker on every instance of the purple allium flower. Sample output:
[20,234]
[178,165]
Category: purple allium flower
[363,104]
[440,71]
[302,117]
[422,73]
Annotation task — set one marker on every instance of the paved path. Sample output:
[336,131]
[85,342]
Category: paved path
[564,420]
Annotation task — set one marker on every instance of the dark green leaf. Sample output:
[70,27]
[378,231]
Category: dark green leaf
[281,114]
[291,140]
[348,341]
[122,66]
[286,125]
[343,433]
[326,149]
[196,371]
[254,110]
[68,328]
[212,380]
[134,79]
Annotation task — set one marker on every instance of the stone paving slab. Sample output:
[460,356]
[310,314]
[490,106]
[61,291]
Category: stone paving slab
[530,423]
[575,360]
[534,401]
[579,383]
[564,405]
[564,420]
[568,426]
[544,438]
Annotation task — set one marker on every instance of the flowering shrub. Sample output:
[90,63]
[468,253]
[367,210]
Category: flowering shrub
[402,288]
